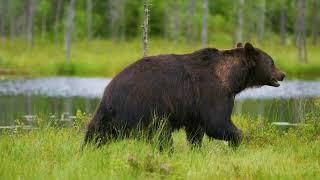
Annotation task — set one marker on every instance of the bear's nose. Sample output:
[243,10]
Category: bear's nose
[282,76]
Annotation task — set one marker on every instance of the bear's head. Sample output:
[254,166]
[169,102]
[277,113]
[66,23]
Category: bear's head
[263,70]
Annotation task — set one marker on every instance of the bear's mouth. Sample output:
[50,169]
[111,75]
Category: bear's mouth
[274,82]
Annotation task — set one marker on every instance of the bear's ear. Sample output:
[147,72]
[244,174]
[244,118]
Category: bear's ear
[248,47]
[239,45]
[251,52]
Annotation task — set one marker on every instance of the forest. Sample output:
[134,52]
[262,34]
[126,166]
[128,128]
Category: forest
[281,24]
[122,19]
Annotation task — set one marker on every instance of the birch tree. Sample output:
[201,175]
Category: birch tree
[43,25]
[69,27]
[173,20]
[314,22]
[88,12]
[11,15]
[190,23]
[116,15]
[30,23]
[145,27]
[3,12]
[283,22]
[43,9]
[204,35]
[262,21]
[240,21]
[300,28]
[56,20]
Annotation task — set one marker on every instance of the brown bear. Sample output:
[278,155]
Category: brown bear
[194,91]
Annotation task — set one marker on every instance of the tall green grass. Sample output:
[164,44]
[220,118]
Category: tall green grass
[53,152]
[106,58]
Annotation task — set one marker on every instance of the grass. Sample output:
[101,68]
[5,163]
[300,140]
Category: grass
[106,58]
[266,152]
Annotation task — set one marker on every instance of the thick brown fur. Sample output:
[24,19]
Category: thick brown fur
[195,91]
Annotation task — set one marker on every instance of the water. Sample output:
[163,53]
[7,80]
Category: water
[62,97]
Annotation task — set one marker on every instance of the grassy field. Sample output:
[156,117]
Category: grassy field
[266,152]
[106,58]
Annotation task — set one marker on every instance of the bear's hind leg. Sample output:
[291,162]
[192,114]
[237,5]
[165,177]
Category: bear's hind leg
[163,138]
[194,136]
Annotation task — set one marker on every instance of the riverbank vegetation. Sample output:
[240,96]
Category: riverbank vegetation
[106,58]
[267,151]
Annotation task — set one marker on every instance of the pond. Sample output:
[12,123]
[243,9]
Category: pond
[61,97]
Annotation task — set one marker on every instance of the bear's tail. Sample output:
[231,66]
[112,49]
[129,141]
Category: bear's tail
[96,129]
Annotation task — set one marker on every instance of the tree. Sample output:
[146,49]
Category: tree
[300,28]
[262,21]
[3,6]
[204,23]
[88,20]
[240,21]
[190,23]
[56,20]
[145,27]
[11,15]
[43,10]
[283,22]
[30,23]
[314,22]
[116,15]
[173,20]
[69,27]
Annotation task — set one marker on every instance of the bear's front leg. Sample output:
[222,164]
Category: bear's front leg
[226,131]
[216,117]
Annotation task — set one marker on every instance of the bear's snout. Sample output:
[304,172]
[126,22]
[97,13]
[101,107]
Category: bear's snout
[277,75]
[281,75]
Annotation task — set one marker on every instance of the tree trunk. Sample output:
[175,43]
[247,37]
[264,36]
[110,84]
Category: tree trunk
[234,25]
[122,24]
[12,20]
[176,21]
[43,26]
[3,7]
[204,35]
[262,21]
[172,11]
[283,19]
[314,22]
[56,21]
[88,21]
[114,19]
[115,15]
[30,23]
[145,28]
[240,20]
[190,25]
[69,27]
[301,31]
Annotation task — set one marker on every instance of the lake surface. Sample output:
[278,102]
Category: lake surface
[62,97]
